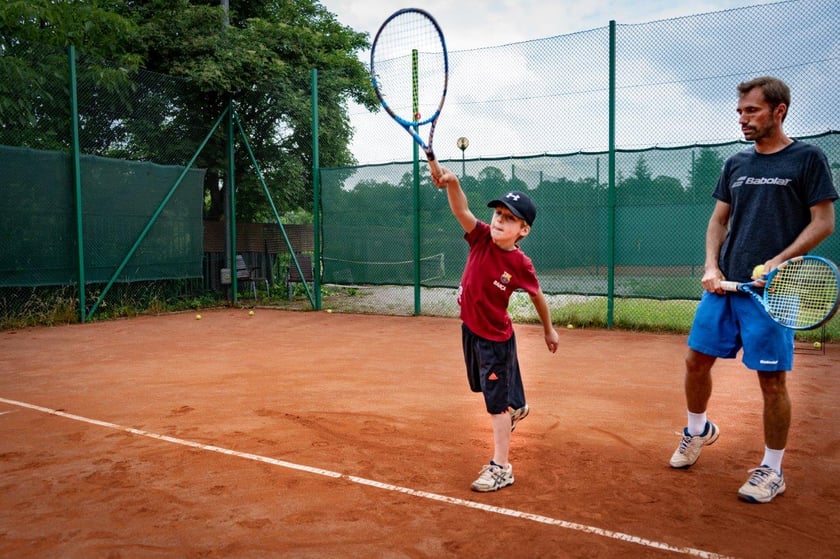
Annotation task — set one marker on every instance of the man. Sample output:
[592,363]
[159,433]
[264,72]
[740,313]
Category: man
[773,201]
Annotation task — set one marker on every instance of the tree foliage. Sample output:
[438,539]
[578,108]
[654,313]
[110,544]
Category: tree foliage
[155,74]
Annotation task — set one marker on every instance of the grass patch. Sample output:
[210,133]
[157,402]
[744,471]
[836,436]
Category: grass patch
[649,315]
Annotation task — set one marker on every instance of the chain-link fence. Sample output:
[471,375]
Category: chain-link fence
[97,188]
[674,85]
[674,122]
[538,114]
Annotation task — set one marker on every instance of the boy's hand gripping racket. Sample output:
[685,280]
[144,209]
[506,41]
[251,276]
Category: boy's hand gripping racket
[800,293]
[409,70]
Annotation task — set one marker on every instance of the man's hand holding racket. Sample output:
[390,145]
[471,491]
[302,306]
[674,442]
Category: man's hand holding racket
[800,293]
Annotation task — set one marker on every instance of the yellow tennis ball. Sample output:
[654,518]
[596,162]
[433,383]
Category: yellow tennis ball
[817,345]
[198,317]
[758,271]
[570,326]
[329,311]
[251,313]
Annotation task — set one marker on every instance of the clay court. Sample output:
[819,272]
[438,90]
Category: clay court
[310,435]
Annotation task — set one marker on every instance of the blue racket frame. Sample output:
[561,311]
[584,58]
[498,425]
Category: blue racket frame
[763,295]
[412,126]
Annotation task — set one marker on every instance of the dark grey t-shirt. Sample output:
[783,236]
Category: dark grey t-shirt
[770,198]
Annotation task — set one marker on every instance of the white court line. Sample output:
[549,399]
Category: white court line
[386,486]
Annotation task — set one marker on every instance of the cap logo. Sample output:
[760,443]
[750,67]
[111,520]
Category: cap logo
[515,197]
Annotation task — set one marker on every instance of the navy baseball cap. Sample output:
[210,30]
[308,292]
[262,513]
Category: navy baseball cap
[519,204]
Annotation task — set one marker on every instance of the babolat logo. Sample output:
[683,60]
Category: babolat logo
[766,180]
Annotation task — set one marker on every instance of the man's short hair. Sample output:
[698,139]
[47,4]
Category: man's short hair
[775,91]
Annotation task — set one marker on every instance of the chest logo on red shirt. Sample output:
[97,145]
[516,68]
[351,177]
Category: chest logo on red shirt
[502,282]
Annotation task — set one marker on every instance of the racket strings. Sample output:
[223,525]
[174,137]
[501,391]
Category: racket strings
[409,66]
[802,293]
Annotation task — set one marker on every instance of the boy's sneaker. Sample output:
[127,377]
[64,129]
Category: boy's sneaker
[764,484]
[518,415]
[493,477]
[690,446]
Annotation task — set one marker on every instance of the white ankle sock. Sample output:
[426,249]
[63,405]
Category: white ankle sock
[696,423]
[773,458]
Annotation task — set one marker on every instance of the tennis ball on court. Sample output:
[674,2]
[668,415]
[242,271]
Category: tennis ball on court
[250,313]
[198,317]
[570,326]
[329,311]
[758,271]
[817,345]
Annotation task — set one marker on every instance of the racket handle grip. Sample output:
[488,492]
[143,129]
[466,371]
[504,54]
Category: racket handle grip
[434,166]
[730,285]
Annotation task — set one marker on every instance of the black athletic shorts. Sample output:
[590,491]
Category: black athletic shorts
[493,370]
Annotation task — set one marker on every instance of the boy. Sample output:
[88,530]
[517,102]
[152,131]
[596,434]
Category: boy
[496,267]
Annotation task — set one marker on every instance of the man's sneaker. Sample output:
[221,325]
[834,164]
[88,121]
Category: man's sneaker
[763,485]
[518,415]
[493,477]
[690,446]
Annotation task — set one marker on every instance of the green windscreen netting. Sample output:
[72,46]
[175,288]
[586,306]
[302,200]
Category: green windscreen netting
[38,228]
[662,206]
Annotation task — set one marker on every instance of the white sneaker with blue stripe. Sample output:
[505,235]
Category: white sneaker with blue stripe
[763,486]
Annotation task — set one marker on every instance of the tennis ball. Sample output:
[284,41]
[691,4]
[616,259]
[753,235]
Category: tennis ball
[817,345]
[329,311]
[250,313]
[758,271]
[570,326]
[198,317]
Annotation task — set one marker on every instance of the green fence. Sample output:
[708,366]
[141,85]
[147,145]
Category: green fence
[640,114]
[662,206]
[37,223]
[96,188]
[656,100]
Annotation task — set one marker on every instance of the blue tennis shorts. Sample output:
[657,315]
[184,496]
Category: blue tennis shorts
[724,324]
[493,370]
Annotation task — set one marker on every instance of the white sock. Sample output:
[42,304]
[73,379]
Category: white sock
[773,458]
[696,423]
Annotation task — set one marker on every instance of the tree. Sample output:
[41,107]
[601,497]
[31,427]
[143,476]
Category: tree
[262,61]
[34,34]
[705,171]
[642,189]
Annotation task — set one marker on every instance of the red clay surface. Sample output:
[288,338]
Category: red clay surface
[309,435]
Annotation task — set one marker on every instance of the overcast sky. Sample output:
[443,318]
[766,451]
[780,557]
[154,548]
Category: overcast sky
[473,28]
[470,24]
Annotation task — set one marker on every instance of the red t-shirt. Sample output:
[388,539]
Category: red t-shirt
[491,275]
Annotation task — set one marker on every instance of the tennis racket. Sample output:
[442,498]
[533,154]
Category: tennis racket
[409,70]
[800,293]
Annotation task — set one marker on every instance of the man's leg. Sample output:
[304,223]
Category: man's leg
[698,390]
[777,409]
[698,380]
[767,480]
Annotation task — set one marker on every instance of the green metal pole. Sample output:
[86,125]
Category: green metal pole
[316,193]
[77,180]
[274,211]
[611,191]
[416,184]
[155,216]
[231,185]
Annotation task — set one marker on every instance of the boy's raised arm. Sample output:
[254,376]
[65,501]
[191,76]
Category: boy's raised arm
[457,199]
